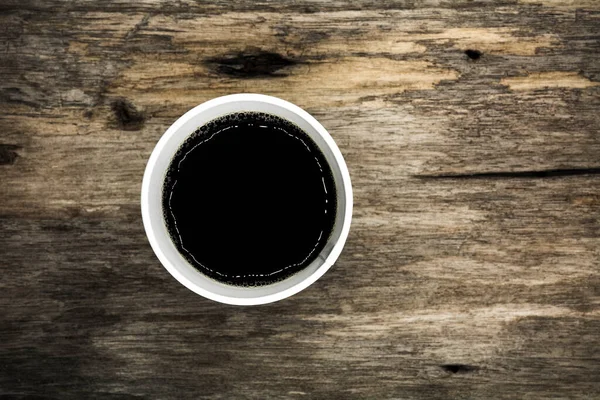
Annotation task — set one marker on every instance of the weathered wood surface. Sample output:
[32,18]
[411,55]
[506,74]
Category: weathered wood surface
[472,133]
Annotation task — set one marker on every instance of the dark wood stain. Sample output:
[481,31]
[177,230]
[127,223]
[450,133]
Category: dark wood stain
[15,95]
[470,129]
[127,115]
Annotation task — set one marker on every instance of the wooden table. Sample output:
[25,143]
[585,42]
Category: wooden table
[472,133]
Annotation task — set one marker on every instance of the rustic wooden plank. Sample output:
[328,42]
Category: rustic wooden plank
[471,133]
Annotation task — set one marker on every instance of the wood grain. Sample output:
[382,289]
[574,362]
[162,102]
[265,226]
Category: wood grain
[471,131]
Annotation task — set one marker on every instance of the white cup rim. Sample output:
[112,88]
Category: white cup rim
[150,177]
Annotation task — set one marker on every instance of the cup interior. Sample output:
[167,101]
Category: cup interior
[156,228]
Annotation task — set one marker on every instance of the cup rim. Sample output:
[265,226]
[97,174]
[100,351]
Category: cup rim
[146,211]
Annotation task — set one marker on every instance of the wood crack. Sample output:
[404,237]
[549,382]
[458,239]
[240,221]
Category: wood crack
[549,173]
[459,368]
[140,25]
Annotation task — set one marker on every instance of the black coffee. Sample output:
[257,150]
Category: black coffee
[249,199]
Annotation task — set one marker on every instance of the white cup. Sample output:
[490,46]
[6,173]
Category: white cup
[156,229]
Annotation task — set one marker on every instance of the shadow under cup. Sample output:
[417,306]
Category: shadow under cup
[157,231]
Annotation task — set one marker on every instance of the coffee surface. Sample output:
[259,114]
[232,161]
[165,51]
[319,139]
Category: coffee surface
[249,199]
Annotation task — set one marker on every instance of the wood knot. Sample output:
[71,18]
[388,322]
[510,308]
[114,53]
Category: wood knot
[473,54]
[8,154]
[251,63]
[127,115]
